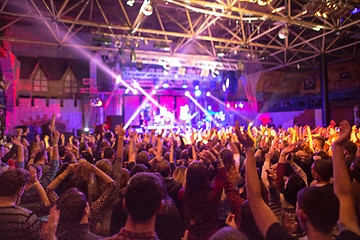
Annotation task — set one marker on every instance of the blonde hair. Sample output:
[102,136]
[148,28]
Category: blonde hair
[179,175]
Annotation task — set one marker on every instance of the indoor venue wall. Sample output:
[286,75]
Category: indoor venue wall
[38,113]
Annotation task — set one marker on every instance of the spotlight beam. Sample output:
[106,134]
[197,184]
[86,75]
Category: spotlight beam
[136,113]
[201,107]
[231,109]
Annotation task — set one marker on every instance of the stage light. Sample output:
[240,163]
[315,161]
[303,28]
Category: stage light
[130,2]
[139,65]
[136,84]
[148,10]
[127,91]
[250,124]
[153,92]
[209,108]
[86,129]
[283,33]
[208,94]
[165,85]
[187,94]
[198,93]
[118,79]
[236,105]
[241,105]
[156,87]
[228,105]
[184,86]
[227,83]
[197,87]
[223,88]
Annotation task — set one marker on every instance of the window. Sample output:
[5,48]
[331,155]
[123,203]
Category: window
[40,83]
[70,83]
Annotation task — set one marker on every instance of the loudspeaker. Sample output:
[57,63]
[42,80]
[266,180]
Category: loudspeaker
[113,120]
[104,81]
[230,78]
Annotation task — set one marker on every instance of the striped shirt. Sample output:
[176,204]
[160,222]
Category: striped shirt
[18,223]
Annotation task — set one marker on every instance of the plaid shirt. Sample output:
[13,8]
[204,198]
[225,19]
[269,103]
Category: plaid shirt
[127,235]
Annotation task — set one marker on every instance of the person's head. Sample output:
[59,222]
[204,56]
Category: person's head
[319,207]
[143,157]
[40,157]
[322,170]
[197,178]
[179,174]
[184,155]
[293,185]
[72,205]
[350,149]
[104,144]
[12,182]
[228,233]
[105,166]
[109,154]
[138,168]
[143,197]
[163,168]
[319,143]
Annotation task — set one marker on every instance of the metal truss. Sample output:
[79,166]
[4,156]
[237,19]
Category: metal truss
[196,31]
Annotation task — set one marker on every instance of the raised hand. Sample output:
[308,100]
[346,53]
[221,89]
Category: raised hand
[120,130]
[344,135]
[56,137]
[289,148]
[243,137]
[17,142]
[49,229]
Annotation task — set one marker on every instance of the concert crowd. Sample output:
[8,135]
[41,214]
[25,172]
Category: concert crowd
[237,182]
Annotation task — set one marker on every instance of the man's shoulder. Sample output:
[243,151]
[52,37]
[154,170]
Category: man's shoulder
[16,210]
[127,235]
[277,232]
[347,235]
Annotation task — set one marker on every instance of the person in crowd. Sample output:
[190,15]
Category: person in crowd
[16,223]
[74,216]
[318,209]
[143,200]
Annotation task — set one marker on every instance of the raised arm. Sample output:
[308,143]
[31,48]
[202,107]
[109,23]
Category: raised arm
[262,213]
[120,147]
[342,183]
[20,153]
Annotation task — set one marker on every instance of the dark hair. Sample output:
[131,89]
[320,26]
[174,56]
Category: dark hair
[143,196]
[184,155]
[228,233]
[294,184]
[138,168]
[148,146]
[62,151]
[322,141]
[71,204]
[248,225]
[228,158]
[168,225]
[142,157]
[351,148]
[12,180]
[109,153]
[198,204]
[39,156]
[163,168]
[324,169]
[321,207]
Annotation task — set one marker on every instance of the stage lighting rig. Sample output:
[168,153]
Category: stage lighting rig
[329,8]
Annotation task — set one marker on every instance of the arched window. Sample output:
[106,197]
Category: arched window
[40,81]
[70,82]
